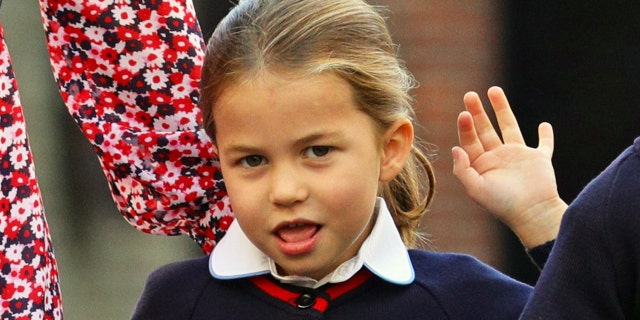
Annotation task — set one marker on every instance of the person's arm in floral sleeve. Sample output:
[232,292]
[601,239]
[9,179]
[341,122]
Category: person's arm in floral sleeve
[128,72]
[29,284]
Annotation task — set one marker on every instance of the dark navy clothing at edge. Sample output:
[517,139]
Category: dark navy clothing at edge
[446,286]
[593,269]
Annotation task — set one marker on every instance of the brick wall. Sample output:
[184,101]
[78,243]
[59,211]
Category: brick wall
[451,47]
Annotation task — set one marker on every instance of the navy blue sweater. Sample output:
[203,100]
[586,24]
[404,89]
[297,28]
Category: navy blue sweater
[447,286]
[593,269]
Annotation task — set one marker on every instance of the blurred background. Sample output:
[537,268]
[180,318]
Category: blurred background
[572,63]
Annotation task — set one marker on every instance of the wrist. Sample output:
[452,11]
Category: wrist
[542,225]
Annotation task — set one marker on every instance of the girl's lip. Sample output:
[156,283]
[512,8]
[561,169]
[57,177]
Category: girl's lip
[297,237]
[288,224]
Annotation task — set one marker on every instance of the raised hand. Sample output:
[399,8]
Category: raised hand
[514,182]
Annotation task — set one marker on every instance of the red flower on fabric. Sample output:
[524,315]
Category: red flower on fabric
[225,221]
[125,33]
[159,98]
[12,230]
[123,76]
[90,129]
[38,247]
[36,295]
[180,43]
[109,54]
[91,12]
[7,292]
[27,272]
[5,205]
[151,41]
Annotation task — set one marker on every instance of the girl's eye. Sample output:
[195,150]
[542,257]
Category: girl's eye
[317,151]
[253,161]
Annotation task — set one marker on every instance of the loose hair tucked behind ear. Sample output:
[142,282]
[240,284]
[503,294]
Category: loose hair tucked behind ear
[346,37]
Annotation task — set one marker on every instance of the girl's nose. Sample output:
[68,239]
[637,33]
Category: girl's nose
[287,187]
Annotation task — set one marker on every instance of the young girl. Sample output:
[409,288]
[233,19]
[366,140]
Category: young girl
[308,107]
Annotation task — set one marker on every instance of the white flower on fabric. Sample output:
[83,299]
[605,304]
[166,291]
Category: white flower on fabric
[177,11]
[170,178]
[154,58]
[167,123]
[37,314]
[4,63]
[37,227]
[3,218]
[42,274]
[22,210]
[17,133]
[156,79]
[5,140]
[6,84]
[103,3]
[125,15]
[132,61]
[23,288]
[127,97]
[14,252]
[56,38]
[148,27]
[19,157]
[95,34]
[181,90]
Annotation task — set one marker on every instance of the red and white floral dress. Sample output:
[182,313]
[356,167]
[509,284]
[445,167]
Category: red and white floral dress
[128,72]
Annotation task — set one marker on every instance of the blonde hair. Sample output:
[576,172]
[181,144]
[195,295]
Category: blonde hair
[346,37]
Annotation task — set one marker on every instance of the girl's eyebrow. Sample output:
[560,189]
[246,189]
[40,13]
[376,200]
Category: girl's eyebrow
[241,149]
[303,141]
[325,135]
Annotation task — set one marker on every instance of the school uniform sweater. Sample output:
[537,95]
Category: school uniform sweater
[593,271]
[383,281]
[446,286]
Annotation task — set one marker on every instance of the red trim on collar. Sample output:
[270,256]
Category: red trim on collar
[306,300]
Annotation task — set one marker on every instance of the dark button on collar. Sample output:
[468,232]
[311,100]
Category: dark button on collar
[305,301]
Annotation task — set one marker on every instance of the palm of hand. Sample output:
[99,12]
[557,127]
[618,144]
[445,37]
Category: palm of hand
[515,183]
[508,172]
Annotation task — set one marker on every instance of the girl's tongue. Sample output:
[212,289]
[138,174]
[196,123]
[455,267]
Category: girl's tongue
[298,232]
[297,239]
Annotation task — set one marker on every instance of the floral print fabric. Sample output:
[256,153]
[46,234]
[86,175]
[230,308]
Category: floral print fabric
[128,72]
[28,272]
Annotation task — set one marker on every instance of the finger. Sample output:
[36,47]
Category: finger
[467,136]
[506,119]
[545,138]
[484,129]
[462,169]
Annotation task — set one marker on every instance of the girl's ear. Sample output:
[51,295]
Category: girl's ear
[397,145]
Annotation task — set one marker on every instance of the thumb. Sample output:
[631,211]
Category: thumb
[462,168]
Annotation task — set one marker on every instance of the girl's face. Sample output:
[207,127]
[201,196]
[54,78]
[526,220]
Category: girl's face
[301,165]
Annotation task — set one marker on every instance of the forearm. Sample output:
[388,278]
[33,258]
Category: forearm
[129,75]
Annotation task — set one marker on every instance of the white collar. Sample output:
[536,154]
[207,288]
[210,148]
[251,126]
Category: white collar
[383,253]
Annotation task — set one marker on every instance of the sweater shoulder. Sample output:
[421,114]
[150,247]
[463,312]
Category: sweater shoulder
[433,268]
[611,197]
[466,287]
[181,274]
[172,291]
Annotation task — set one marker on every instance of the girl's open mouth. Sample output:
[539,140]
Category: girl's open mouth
[297,238]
